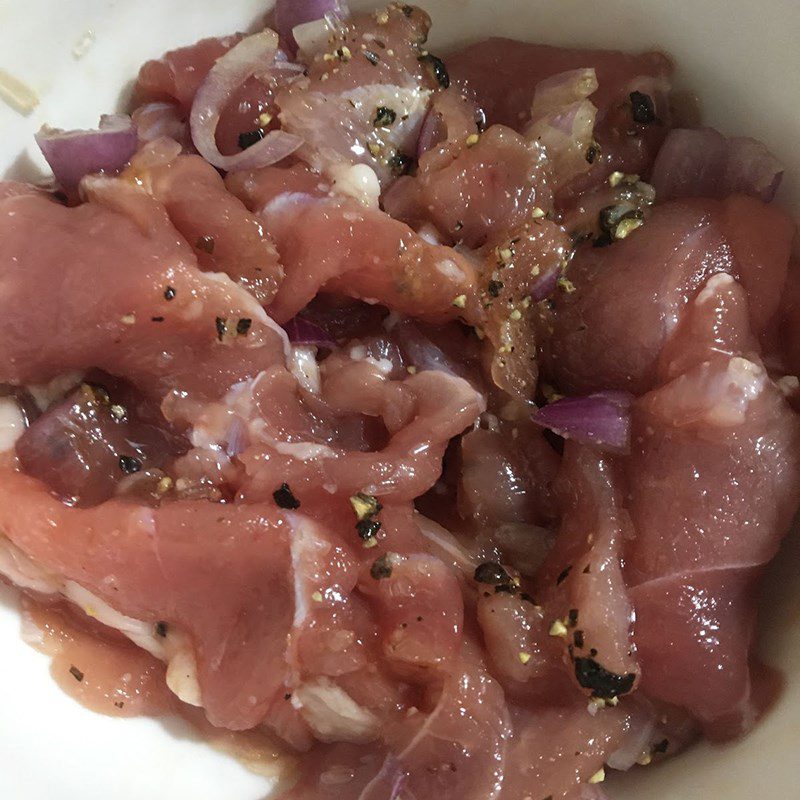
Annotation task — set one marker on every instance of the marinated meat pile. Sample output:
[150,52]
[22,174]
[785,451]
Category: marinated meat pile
[430,413]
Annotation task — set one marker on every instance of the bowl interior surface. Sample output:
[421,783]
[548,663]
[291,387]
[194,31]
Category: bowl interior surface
[742,60]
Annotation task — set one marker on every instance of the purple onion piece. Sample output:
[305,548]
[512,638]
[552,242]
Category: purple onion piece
[704,163]
[302,331]
[236,438]
[546,285]
[157,120]
[74,154]
[432,131]
[291,13]
[602,419]
[421,352]
[398,783]
[253,54]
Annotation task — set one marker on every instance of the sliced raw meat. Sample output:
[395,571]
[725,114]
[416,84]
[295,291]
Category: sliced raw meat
[629,297]
[153,319]
[224,236]
[84,447]
[258,188]
[704,445]
[303,443]
[581,583]
[521,271]
[490,188]
[521,652]
[457,750]
[147,563]
[420,608]
[503,74]
[344,248]
[507,475]
[16,188]
[179,73]
[559,747]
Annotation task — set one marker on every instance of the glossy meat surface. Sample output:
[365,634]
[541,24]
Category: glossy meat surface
[281,435]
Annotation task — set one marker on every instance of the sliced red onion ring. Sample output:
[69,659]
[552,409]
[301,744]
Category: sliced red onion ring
[602,419]
[559,91]
[399,779]
[432,132]
[421,352]
[291,13]
[252,55]
[703,163]
[73,154]
[301,331]
[156,120]
[546,285]
[237,438]
[452,116]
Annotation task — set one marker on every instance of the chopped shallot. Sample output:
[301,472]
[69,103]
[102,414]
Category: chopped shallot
[601,419]
[74,154]
[251,56]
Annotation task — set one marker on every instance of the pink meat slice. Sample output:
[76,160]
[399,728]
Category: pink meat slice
[457,750]
[582,584]
[558,746]
[705,444]
[342,247]
[334,646]
[76,446]
[521,653]
[16,188]
[502,76]
[257,188]
[223,234]
[179,73]
[114,287]
[507,475]
[478,194]
[420,414]
[220,573]
[630,297]
[422,615]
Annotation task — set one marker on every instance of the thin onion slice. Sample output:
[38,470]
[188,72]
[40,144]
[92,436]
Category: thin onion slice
[289,14]
[602,419]
[451,117]
[247,58]
[546,285]
[74,154]
[157,120]
[421,352]
[301,331]
[432,132]
[562,119]
[704,163]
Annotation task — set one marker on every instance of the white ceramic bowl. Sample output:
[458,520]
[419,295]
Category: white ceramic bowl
[743,60]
